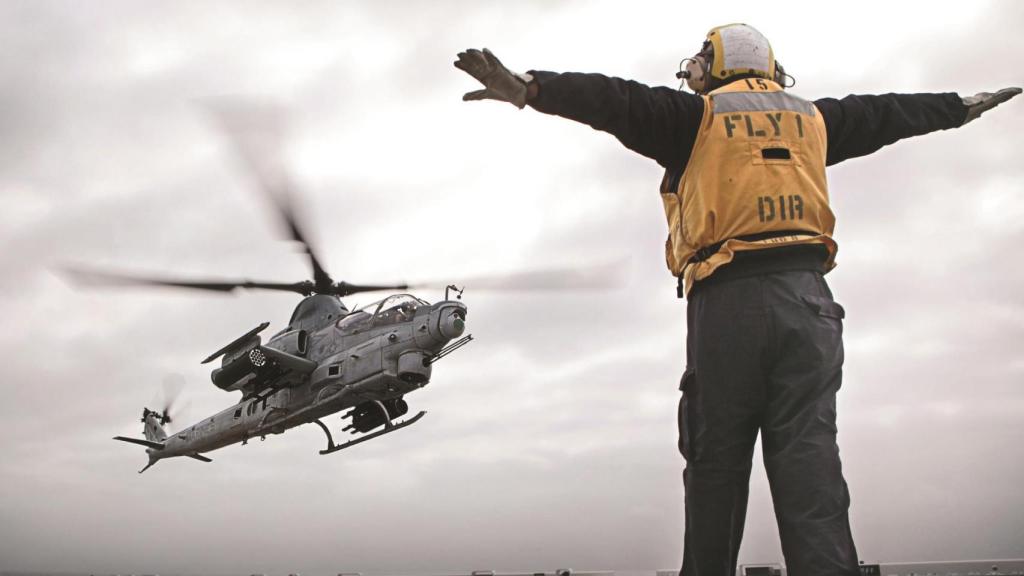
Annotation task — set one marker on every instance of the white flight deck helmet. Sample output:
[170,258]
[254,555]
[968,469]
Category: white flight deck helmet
[731,51]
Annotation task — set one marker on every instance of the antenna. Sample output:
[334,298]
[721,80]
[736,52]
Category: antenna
[458,291]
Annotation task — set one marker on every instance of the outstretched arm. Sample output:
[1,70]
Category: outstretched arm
[860,125]
[660,123]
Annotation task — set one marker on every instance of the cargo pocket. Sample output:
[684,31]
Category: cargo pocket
[685,424]
[824,306]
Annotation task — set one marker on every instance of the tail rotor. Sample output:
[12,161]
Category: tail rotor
[153,421]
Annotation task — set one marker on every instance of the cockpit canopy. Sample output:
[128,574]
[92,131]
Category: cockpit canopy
[394,309]
[316,311]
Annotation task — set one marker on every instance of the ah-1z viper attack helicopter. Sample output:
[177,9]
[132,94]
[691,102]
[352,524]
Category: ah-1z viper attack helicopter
[328,358]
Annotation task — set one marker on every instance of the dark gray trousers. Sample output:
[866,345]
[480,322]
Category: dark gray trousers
[764,353]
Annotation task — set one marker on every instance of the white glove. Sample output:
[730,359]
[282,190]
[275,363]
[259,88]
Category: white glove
[499,82]
[984,101]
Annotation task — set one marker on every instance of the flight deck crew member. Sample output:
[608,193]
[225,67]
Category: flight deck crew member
[750,238]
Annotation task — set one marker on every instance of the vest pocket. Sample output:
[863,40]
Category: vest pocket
[674,216]
[775,152]
[670,255]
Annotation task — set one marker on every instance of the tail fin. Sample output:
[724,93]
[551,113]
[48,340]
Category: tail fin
[154,449]
[153,430]
[140,442]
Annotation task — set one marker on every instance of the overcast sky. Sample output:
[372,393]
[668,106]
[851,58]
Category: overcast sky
[551,440]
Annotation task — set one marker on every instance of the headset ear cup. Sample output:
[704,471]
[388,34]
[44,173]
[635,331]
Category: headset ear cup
[697,74]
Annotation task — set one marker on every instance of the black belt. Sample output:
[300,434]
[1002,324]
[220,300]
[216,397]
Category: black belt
[710,250]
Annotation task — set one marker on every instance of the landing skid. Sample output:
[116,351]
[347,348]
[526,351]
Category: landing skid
[389,427]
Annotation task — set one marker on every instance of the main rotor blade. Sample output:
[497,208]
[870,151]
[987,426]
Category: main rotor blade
[257,134]
[346,289]
[97,278]
[600,277]
[587,278]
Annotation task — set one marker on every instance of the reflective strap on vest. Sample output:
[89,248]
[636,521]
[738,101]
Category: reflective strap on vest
[761,101]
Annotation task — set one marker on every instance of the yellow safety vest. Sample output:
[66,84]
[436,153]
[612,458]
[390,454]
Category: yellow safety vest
[755,180]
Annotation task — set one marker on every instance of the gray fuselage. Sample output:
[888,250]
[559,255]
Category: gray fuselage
[360,356]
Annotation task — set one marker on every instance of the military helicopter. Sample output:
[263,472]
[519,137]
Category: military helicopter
[328,358]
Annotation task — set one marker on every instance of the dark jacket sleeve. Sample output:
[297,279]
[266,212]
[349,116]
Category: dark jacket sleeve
[660,123]
[859,125]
